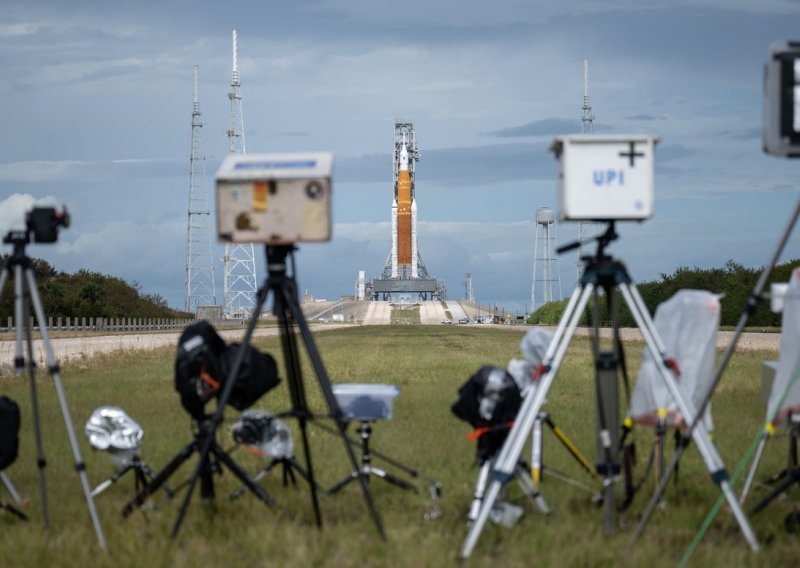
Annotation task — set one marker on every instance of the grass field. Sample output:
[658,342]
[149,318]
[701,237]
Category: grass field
[429,364]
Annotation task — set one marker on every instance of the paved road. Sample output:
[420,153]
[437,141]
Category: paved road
[457,311]
[77,348]
[431,312]
[378,313]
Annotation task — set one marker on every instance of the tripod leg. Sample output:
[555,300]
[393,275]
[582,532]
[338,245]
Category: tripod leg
[571,448]
[151,475]
[23,322]
[508,457]
[10,486]
[111,480]
[685,406]
[259,491]
[355,474]
[330,399]
[480,489]
[55,373]
[531,492]
[160,479]
[536,451]
[386,476]
[791,478]
[754,467]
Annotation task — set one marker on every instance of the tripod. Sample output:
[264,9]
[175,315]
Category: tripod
[610,275]
[14,495]
[783,479]
[130,461]
[286,306]
[367,469]
[25,291]
[752,302]
[204,439]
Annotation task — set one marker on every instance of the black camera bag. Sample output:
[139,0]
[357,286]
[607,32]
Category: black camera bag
[257,375]
[9,431]
[199,370]
[504,410]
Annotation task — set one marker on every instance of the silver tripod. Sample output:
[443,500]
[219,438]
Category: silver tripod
[25,292]
[609,274]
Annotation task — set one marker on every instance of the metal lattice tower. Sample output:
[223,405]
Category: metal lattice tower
[469,296]
[239,261]
[199,289]
[586,230]
[546,279]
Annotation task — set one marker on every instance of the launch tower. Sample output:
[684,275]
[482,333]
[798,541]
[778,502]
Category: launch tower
[404,273]
[239,260]
[199,281]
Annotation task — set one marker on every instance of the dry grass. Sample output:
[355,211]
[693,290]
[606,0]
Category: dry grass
[429,363]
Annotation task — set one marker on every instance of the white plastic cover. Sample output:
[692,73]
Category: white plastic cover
[789,360]
[533,346]
[687,324]
[110,429]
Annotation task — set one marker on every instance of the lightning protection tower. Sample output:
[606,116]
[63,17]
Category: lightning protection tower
[586,230]
[199,289]
[239,260]
[546,280]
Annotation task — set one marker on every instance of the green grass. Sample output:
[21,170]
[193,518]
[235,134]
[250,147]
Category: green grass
[429,363]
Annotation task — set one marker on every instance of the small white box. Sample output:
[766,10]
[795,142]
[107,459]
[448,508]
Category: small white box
[777,293]
[366,402]
[275,199]
[605,178]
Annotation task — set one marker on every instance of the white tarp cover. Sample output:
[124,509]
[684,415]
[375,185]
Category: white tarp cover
[789,360]
[687,324]
[533,346]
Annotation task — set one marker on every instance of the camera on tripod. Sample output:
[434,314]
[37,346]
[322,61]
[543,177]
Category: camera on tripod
[275,199]
[43,223]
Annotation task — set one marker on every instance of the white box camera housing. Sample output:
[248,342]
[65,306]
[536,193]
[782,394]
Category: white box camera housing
[605,178]
[275,199]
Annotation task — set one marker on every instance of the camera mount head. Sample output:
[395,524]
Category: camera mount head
[42,224]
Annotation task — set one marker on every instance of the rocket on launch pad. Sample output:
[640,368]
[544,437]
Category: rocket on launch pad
[404,272]
[404,223]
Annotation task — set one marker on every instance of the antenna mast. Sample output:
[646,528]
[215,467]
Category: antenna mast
[199,278]
[239,260]
[586,230]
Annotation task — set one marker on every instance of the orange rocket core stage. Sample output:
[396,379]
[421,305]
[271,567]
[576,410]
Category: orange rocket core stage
[403,218]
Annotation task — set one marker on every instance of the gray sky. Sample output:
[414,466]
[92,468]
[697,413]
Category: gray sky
[97,101]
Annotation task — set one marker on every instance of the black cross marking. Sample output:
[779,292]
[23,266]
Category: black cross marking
[631,154]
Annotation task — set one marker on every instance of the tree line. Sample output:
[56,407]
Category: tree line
[733,281]
[87,294]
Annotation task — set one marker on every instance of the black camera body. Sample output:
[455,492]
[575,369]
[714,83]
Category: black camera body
[43,223]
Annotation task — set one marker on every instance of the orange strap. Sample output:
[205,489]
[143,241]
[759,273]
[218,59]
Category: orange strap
[537,374]
[478,432]
[205,377]
[673,365]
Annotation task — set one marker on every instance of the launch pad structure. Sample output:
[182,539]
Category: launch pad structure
[404,274]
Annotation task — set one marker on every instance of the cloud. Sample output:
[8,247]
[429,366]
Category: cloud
[469,166]
[546,127]
[14,208]
[76,170]
[644,117]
